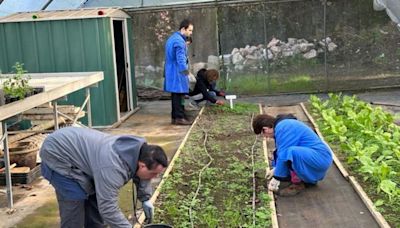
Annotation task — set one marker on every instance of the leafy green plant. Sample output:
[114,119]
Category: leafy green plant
[369,141]
[17,86]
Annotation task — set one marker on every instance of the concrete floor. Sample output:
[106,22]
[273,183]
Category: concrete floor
[37,207]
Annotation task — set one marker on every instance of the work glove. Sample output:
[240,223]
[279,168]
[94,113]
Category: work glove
[274,185]
[148,210]
[269,174]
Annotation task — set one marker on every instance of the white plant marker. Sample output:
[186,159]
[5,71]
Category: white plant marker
[230,98]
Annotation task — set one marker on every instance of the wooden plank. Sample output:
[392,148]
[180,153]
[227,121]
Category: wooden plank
[336,160]
[11,167]
[44,126]
[49,116]
[66,109]
[368,202]
[272,207]
[168,170]
[23,169]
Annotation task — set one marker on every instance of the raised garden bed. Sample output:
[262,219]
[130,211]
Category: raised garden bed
[368,143]
[211,183]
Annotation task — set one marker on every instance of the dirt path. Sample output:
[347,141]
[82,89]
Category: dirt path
[332,203]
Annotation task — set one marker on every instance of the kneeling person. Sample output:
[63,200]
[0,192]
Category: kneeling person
[301,157]
[204,89]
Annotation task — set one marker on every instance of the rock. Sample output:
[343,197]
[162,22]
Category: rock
[197,66]
[332,46]
[287,53]
[276,50]
[227,58]
[311,54]
[250,62]
[296,49]
[150,68]
[273,42]
[237,59]
[267,54]
[292,41]
[234,51]
[239,67]
[305,47]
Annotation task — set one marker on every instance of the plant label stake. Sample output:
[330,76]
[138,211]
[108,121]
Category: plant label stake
[230,98]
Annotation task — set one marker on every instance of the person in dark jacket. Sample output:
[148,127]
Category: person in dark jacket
[205,88]
[87,168]
[301,157]
[176,71]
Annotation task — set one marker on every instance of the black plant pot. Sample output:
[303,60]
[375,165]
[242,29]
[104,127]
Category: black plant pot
[34,91]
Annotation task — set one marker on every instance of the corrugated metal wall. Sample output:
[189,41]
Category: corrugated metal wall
[77,45]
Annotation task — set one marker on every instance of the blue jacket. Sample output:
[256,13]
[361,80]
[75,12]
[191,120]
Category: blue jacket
[298,143]
[175,63]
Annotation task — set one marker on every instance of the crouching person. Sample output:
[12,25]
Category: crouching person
[205,89]
[87,168]
[301,158]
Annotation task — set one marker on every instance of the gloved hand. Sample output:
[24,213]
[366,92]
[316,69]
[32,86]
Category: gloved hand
[221,93]
[148,210]
[274,185]
[269,174]
[219,102]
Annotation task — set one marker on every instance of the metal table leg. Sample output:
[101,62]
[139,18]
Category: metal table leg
[4,139]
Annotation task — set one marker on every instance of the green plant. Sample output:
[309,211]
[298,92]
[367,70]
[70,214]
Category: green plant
[369,141]
[17,86]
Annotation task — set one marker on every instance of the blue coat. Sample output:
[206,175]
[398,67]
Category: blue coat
[175,63]
[296,142]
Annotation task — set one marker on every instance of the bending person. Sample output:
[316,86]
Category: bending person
[301,157]
[87,168]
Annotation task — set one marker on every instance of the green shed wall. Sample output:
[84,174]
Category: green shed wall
[77,45]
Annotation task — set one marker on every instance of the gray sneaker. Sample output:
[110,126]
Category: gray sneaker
[192,106]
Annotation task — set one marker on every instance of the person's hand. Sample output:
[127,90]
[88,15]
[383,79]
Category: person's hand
[185,72]
[273,185]
[219,102]
[221,93]
[148,210]
[269,174]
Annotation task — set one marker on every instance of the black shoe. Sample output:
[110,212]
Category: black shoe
[182,122]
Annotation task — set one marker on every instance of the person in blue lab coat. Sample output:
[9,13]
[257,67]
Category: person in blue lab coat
[176,71]
[301,157]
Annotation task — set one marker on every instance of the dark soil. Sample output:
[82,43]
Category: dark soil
[225,195]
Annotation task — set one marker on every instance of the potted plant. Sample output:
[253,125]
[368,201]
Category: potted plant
[17,87]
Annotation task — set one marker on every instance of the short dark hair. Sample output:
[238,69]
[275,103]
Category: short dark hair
[263,120]
[185,24]
[152,156]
